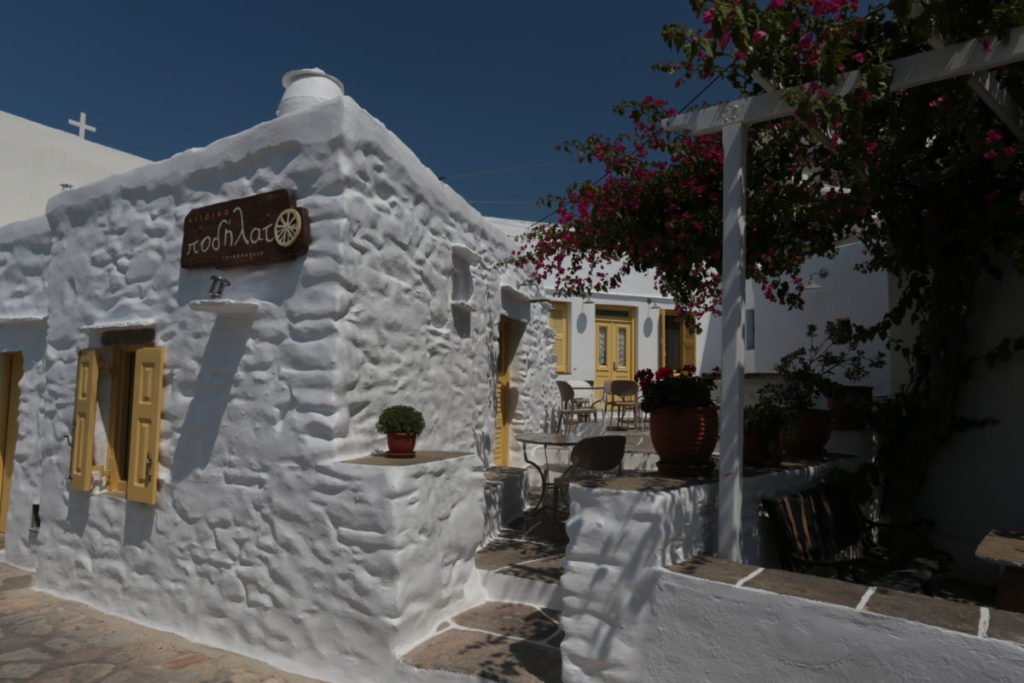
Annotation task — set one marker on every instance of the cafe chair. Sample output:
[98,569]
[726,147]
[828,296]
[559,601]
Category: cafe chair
[573,409]
[624,401]
[595,456]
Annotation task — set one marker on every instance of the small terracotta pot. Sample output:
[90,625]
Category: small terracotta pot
[806,437]
[684,439]
[401,445]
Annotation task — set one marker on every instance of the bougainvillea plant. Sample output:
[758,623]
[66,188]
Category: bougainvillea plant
[928,179]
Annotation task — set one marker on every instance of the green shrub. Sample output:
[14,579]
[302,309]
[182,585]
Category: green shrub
[400,420]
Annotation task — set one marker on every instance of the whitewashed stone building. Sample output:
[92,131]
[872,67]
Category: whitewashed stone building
[199,464]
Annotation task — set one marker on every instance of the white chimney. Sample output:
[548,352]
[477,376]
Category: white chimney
[304,88]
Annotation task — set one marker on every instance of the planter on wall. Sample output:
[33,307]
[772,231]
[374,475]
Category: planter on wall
[759,450]
[684,439]
[401,445]
[850,405]
[806,437]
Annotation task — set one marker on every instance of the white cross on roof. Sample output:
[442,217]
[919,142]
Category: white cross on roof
[81,125]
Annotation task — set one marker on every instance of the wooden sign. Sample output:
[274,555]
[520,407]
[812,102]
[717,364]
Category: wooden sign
[263,228]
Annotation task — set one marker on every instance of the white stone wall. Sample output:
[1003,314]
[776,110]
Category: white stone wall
[707,631]
[38,159]
[618,542]
[974,485]
[24,251]
[261,540]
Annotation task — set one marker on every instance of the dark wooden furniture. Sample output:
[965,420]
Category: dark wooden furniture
[1006,548]
[824,533]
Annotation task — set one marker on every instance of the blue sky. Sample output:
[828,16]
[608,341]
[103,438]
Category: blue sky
[469,86]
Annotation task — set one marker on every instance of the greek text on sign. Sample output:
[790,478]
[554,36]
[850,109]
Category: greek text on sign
[263,228]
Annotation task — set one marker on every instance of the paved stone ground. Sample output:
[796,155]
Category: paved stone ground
[47,639]
[498,641]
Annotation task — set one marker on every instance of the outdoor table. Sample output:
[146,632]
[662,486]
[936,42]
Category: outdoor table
[1006,548]
[545,439]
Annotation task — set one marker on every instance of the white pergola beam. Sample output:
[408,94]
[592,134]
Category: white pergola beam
[908,72]
[999,101]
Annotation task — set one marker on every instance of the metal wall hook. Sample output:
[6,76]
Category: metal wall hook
[217,286]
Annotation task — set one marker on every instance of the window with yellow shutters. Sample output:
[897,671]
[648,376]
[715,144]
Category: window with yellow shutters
[131,390]
[559,321]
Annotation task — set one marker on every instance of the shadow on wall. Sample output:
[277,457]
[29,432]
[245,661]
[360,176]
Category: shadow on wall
[217,368]
[484,447]
[138,523]
[623,611]
[711,353]
[462,321]
[78,511]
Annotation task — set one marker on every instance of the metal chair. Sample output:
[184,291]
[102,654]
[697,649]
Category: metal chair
[573,409]
[623,398]
[592,456]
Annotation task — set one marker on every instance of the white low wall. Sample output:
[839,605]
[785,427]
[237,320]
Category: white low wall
[701,630]
[620,538]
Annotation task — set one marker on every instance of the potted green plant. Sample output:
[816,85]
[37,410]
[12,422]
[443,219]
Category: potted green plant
[401,424]
[807,375]
[684,420]
[763,425]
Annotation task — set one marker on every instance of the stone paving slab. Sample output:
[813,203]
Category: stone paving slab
[488,657]
[502,552]
[510,619]
[954,616]
[47,639]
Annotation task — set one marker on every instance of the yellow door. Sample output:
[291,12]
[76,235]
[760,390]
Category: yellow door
[503,417]
[678,345]
[614,356]
[10,395]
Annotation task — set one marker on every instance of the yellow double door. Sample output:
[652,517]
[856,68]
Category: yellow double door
[614,353]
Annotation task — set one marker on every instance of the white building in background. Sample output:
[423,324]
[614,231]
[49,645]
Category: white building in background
[611,335]
[37,162]
[204,465]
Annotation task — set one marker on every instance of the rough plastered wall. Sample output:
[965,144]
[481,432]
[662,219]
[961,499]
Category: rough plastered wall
[618,542]
[24,251]
[263,540]
[700,630]
[974,485]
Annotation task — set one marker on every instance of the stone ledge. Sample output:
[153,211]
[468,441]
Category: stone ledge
[657,482]
[498,473]
[939,612]
[421,458]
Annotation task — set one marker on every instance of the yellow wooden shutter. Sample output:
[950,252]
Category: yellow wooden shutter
[85,419]
[12,363]
[559,322]
[144,441]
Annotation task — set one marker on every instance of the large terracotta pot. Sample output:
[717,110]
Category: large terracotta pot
[850,405]
[401,445]
[806,437]
[684,439]
[759,450]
